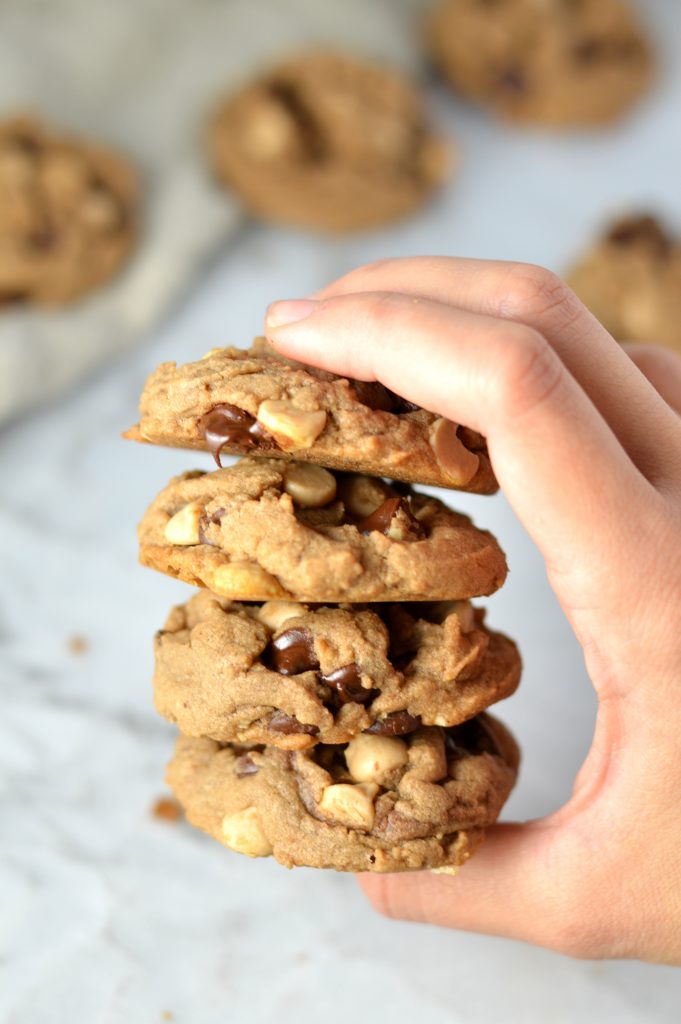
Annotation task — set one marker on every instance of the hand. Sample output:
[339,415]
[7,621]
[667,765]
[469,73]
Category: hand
[588,453]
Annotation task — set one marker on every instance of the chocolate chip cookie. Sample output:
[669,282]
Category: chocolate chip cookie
[266,530]
[381,803]
[67,214]
[291,675]
[631,281]
[327,142]
[552,62]
[238,401]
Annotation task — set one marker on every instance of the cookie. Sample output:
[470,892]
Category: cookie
[551,62]
[631,282]
[236,401]
[263,530]
[327,142]
[381,803]
[67,214]
[292,676]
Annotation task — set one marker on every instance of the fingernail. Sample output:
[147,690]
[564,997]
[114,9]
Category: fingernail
[290,311]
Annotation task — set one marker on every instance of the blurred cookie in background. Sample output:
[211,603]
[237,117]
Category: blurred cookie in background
[631,281]
[558,63]
[328,142]
[67,214]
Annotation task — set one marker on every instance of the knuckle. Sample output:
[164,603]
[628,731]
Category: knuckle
[534,293]
[527,372]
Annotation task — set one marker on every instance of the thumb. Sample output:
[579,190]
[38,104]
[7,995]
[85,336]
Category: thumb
[522,884]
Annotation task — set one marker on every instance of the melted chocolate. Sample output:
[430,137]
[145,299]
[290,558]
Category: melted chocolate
[292,652]
[206,520]
[288,725]
[399,723]
[347,683]
[227,424]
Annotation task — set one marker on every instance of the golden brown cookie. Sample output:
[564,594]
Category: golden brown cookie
[264,529]
[381,803]
[552,62]
[292,676]
[328,142]
[631,281]
[67,214]
[236,401]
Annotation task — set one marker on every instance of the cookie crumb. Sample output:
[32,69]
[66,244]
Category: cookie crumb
[167,1015]
[77,644]
[169,810]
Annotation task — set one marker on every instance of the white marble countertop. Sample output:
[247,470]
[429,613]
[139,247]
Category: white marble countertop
[108,915]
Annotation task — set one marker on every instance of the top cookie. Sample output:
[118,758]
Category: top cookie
[631,281]
[67,214]
[327,142]
[238,401]
[553,62]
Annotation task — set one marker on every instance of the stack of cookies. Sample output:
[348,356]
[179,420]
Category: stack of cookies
[330,679]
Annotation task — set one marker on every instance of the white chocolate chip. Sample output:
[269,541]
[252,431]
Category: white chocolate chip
[243,833]
[369,758]
[362,495]
[350,805]
[299,428]
[275,613]
[245,581]
[183,527]
[456,461]
[310,486]
[446,869]
[211,352]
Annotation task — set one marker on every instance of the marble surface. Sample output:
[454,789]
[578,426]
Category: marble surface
[108,915]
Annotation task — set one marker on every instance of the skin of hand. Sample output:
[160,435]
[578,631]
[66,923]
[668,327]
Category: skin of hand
[585,440]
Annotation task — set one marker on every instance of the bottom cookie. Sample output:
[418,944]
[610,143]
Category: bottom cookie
[378,803]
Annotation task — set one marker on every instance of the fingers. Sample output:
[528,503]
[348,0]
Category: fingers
[519,885]
[661,367]
[536,297]
[547,442]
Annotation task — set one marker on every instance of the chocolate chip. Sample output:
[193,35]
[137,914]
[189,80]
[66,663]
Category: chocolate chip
[595,50]
[511,82]
[376,396]
[227,424]
[42,238]
[640,230]
[245,765]
[288,725]
[308,129]
[405,527]
[292,652]
[399,723]
[207,520]
[347,683]
[15,298]
[471,737]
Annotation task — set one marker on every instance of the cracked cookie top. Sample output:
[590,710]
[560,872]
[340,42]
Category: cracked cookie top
[292,675]
[379,803]
[328,142]
[67,214]
[253,401]
[263,529]
[553,62]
